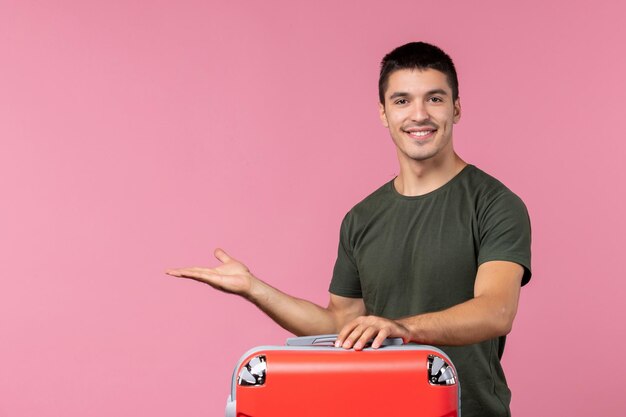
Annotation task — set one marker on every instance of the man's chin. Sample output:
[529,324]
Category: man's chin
[422,154]
[420,157]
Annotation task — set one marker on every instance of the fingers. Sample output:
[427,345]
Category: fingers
[219,253]
[346,331]
[359,332]
[364,339]
[229,283]
[222,256]
[356,334]
[206,275]
[380,338]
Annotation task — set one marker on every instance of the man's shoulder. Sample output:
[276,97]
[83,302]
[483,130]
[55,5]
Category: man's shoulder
[478,182]
[374,201]
[491,200]
[479,179]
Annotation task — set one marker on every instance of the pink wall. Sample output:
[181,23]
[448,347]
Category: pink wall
[138,135]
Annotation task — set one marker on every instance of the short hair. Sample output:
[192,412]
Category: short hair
[417,56]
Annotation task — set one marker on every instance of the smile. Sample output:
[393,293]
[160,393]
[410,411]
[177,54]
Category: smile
[421,134]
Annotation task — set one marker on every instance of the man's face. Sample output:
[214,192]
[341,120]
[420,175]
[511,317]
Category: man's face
[419,112]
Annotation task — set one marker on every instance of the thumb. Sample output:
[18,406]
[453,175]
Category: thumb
[222,256]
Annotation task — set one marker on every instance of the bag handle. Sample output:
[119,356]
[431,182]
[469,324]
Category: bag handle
[329,340]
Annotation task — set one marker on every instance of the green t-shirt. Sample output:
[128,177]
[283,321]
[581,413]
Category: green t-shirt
[411,255]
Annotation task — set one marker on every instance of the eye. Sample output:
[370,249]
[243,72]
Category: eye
[436,99]
[401,101]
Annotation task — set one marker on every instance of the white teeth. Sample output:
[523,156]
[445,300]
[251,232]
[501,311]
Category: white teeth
[423,133]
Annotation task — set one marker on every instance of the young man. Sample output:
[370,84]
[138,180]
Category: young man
[435,256]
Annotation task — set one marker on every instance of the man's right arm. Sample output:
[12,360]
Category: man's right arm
[300,317]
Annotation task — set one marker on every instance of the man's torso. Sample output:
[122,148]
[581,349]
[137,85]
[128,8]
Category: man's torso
[411,255]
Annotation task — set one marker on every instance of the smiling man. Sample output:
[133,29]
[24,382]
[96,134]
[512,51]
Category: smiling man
[435,256]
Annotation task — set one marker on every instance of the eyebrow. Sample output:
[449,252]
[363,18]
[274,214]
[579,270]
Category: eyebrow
[403,94]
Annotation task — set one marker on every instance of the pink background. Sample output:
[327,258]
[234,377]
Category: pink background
[139,135]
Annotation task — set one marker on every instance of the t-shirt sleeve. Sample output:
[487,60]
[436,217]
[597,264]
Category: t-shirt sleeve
[505,232]
[345,281]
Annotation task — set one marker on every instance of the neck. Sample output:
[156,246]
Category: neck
[421,177]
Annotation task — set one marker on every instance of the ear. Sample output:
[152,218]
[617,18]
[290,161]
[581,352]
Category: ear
[457,110]
[382,114]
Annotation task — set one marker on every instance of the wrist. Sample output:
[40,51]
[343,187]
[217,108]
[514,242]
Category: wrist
[412,328]
[256,290]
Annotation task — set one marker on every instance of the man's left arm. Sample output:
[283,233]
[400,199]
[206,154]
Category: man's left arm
[489,314]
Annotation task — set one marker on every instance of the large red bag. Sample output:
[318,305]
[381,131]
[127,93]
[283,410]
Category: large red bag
[310,377]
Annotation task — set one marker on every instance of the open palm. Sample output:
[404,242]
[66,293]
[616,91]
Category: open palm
[231,276]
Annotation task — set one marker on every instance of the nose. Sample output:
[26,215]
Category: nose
[419,113]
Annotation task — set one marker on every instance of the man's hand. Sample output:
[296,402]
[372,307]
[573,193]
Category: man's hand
[231,276]
[362,329]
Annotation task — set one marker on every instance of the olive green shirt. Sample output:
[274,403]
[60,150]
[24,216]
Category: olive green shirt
[410,255]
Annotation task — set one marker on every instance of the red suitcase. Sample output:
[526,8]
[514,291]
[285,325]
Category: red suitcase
[310,377]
